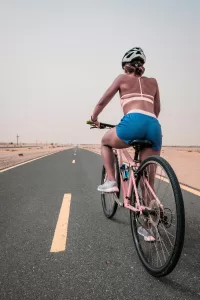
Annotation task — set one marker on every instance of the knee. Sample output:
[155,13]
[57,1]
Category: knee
[105,142]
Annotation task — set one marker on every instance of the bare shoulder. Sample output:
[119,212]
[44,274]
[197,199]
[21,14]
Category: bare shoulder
[151,79]
[120,79]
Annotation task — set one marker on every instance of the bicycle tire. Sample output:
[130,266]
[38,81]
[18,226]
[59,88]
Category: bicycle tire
[180,215]
[110,214]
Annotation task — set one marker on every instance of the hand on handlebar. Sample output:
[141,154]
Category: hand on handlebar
[94,124]
[99,125]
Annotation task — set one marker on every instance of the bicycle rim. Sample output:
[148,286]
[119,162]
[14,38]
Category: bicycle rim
[165,222]
[108,199]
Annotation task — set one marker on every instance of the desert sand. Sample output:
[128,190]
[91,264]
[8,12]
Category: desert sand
[185,162]
[13,156]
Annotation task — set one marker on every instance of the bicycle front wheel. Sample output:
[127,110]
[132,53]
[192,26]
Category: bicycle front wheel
[159,246]
[108,199]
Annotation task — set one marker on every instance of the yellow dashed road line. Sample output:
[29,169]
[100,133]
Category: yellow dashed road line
[60,234]
[73,161]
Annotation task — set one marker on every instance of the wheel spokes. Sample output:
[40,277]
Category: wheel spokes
[161,224]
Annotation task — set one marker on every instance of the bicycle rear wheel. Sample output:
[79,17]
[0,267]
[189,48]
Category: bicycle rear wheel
[165,222]
[108,199]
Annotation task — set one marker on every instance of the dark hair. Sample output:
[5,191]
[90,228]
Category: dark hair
[135,66]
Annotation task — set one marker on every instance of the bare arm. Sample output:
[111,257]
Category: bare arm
[157,102]
[108,95]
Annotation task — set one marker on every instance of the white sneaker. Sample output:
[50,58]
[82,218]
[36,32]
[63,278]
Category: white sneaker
[108,187]
[148,235]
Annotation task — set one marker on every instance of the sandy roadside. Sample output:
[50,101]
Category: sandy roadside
[184,161]
[10,156]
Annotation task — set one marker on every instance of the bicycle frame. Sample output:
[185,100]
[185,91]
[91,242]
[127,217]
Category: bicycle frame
[128,186]
[140,186]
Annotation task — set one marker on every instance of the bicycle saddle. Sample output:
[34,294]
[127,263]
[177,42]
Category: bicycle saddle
[141,144]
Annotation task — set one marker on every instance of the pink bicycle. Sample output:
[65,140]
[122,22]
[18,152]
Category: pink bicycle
[152,193]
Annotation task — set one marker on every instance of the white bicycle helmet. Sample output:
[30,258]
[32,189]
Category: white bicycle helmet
[134,53]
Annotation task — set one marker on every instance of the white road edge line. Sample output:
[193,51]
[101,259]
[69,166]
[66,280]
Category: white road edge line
[28,161]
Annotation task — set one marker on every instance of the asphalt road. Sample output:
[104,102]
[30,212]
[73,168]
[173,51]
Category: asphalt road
[100,261]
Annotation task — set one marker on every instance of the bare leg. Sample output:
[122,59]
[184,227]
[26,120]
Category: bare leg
[108,161]
[110,140]
[151,172]
[146,194]
[148,152]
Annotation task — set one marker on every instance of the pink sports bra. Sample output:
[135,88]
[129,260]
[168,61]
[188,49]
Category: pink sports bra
[136,96]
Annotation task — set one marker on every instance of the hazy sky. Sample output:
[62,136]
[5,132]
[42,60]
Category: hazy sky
[58,57]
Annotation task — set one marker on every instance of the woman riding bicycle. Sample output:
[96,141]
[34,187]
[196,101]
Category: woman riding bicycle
[140,102]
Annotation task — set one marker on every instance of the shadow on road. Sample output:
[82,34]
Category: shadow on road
[122,222]
[180,287]
[186,276]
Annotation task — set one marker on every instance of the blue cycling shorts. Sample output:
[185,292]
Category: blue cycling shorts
[140,126]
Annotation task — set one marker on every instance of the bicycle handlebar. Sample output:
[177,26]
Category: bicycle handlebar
[102,125]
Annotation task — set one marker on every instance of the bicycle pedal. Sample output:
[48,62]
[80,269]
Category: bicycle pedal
[118,202]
